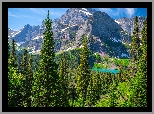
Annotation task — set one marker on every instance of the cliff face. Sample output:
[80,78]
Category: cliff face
[127,24]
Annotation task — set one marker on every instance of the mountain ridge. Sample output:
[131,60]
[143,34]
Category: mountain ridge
[69,28]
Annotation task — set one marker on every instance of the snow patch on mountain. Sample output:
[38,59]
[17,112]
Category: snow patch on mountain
[117,21]
[37,37]
[64,29]
[87,13]
[70,48]
[19,43]
[16,34]
[67,28]
[84,9]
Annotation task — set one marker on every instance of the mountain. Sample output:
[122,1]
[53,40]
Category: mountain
[106,35]
[127,24]
[11,33]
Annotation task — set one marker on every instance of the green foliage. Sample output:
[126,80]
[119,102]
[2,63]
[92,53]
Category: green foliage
[135,41]
[83,71]
[126,46]
[63,73]
[94,89]
[124,62]
[15,88]
[46,79]
[139,83]
[98,65]
[13,57]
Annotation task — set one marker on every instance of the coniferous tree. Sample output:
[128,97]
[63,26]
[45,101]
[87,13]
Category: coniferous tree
[139,83]
[135,43]
[99,85]
[29,82]
[47,86]
[91,91]
[63,73]
[24,63]
[83,71]
[94,89]
[72,92]
[26,70]
[13,58]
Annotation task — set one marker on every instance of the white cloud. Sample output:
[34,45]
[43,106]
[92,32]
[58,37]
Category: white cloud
[38,11]
[119,11]
[130,11]
[12,15]
[44,12]
[18,15]
[25,16]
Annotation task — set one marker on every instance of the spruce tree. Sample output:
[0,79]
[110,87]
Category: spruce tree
[26,70]
[47,86]
[91,91]
[24,63]
[83,71]
[13,58]
[30,81]
[135,42]
[63,73]
[140,81]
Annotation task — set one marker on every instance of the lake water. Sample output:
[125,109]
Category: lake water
[106,70]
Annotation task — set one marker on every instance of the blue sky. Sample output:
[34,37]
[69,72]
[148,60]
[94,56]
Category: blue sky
[18,17]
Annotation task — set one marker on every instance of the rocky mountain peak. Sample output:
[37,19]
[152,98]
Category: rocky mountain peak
[127,24]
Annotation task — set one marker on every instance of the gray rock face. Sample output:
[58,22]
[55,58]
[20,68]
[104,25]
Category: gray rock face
[104,26]
[127,24]
[25,34]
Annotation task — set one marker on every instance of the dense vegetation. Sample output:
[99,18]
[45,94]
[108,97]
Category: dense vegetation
[66,79]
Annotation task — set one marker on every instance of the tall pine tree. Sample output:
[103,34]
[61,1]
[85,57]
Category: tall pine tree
[63,73]
[13,58]
[24,63]
[83,71]
[26,70]
[140,81]
[30,81]
[47,86]
[135,42]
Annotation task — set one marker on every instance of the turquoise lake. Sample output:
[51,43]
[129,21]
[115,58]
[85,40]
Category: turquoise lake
[106,70]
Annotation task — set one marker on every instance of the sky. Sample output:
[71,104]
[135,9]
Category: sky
[19,17]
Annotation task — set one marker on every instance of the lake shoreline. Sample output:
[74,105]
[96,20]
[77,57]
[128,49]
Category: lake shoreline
[105,70]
